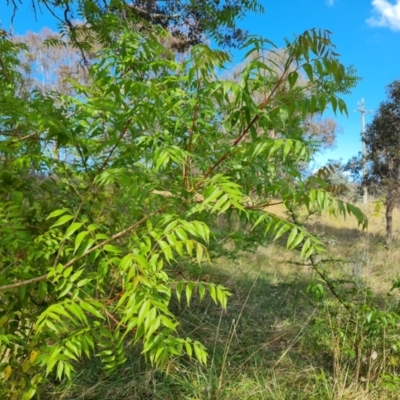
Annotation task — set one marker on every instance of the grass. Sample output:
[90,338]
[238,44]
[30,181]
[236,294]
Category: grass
[365,252]
[269,343]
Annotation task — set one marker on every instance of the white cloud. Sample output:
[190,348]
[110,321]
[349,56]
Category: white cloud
[386,14]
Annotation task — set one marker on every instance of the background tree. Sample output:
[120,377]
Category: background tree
[47,63]
[382,138]
[188,22]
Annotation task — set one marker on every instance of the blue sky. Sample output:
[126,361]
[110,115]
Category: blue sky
[366,34]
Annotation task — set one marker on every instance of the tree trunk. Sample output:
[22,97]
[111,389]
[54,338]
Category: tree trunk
[389,223]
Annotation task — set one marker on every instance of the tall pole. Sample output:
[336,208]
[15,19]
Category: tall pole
[363,111]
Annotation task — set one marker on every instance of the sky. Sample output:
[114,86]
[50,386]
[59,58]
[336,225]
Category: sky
[366,34]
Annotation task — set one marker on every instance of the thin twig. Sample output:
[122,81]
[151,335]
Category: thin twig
[122,134]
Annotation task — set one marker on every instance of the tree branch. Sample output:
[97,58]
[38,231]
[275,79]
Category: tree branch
[75,259]
[186,167]
[245,131]
[120,137]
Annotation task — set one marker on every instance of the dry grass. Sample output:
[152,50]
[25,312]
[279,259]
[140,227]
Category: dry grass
[366,253]
[265,345]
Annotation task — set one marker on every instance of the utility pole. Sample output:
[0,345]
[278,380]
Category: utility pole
[364,148]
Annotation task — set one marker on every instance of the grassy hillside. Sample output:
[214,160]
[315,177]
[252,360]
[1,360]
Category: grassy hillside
[279,338]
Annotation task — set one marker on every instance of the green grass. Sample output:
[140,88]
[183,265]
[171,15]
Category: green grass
[267,344]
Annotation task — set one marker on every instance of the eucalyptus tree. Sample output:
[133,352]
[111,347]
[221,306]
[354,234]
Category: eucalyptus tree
[382,138]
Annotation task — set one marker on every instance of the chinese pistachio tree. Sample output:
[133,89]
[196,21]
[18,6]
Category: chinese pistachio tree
[149,153]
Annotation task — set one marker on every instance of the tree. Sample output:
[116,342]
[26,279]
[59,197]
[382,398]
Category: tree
[188,22]
[48,63]
[382,138]
[152,150]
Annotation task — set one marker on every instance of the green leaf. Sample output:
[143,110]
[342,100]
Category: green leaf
[167,322]
[189,247]
[83,282]
[112,249]
[199,253]
[222,296]
[220,203]
[88,307]
[75,309]
[72,228]
[155,324]
[283,229]
[17,197]
[56,213]
[298,240]
[189,349]
[178,290]
[22,292]
[189,292]
[202,290]
[28,394]
[213,293]
[76,275]
[309,71]
[67,272]
[65,290]
[305,249]
[288,146]
[292,78]
[200,353]
[62,220]
[87,244]
[42,290]
[143,311]
[60,370]
[78,240]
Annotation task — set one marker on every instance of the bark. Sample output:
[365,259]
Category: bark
[389,223]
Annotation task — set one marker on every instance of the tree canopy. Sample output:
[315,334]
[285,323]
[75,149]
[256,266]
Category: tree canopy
[187,22]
